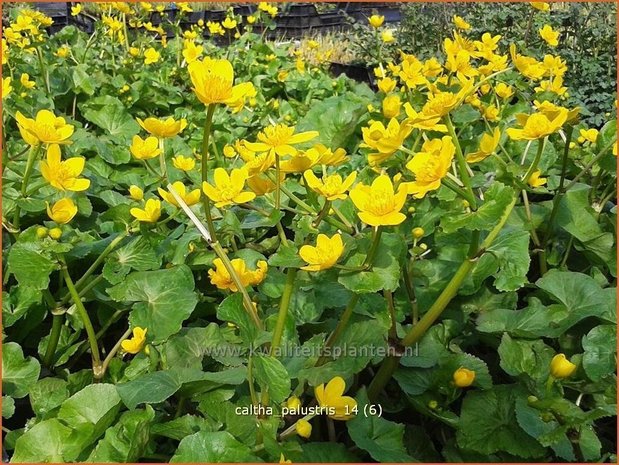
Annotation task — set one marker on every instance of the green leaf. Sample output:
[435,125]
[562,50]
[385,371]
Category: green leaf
[497,198]
[8,407]
[522,357]
[47,394]
[326,452]
[18,373]
[82,79]
[271,375]
[48,441]
[465,114]
[186,425]
[151,388]
[137,255]
[163,299]
[600,356]
[232,310]
[110,114]
[511,250]
[29,266]
[488,424]
[381,438]
[212,447]
[126,441]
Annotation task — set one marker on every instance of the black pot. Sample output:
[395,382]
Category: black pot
[359,73]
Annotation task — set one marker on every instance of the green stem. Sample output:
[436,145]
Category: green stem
[325,209]
[341,325]
[451,185]
[390,364]
[373,248]
[588,166]
[92,338]
[278,183]
[393,330]
[44,71]
[110,356]
[461,161]
[54,337]
[32,155]
[109,249]
[284,304]
[205,140]
[536,160]
[162,164]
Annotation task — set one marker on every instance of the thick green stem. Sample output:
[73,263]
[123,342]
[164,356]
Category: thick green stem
[536,160]
[390,364]
[162,164]
[32,155]
[204,166]
[462,166]
[373,248]
[110,356]
[109,249]
[284,304]
[54,337]
[90,331]
[341,325]
[44,71]
[278,183]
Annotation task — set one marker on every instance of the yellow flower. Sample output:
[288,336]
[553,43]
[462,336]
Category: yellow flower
[331,397]
[63,175]
[551,110]
[151,56]
[387,36]
[460,23]
[191,51]
[279,140]
[76,10]
[213,82]
[537,125]
[136,343]
[300,162]
[293,403]
[63,52]
[303,428]
[491,113]
[324,255]
[385,140]
[554,65]
[378,205]
[215,28]
[143,149]
[163,128]
[432,68]
[590,135]
[251,19]
[541,6]
[184,163]
[561,367]
[6,87]
[282,459]
[487,146]
[549,35]
[420,121]
[26,82]
[229,23]
[221,278]
[150,213]
[463,377]
[535,180]
[391,106]
[441,103]
[190,198]
[503,90]
[228,189]
[386,85]
[62,211]
[136,193]
[376,21]
[329,157]
[134,51]
[430,166]
[282,75]
[184,7]
[412,72]
[554,85]
[330,186]
[46,128]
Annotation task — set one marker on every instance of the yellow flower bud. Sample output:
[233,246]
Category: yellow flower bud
[418,233]
[432,405]
[463,377]
[55,233]
[412,209]
[42,232]
[423,247]
[561,367]
[136,193]
[293,403]
[303,428]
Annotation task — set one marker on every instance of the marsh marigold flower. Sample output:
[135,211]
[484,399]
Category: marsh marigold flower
[62,211]
[136,193]
[378,204]
[190,198]
[430,166]
[549,35]
[536,180]
[150,213]
[63,51]
[561,367]
[537,125]
[421,121]
[143,149]
[26,82]
[387,36]
[303,428]
[228,189]
[332,396]
[376,21]
[168,127]
[487,146]
[63,175]
[191,51]
[184,163]
[151,56]
[460,23]
[46,128]
[136,343]
[463,377]
[76,10]
[541,6]
[387,85]
[213,82]
[6,87]
[324,255]
[589,135]
[385,140]
[280,140]
[503,90]
[332,187]
[221,278]
[391,106]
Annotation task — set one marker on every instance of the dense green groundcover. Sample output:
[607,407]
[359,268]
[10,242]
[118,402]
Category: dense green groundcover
[464,304]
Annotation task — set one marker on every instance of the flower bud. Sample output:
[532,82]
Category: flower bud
[303,428]
[418,233]
[42,232]
[55,233]
[412,209]
[136,193]
[423,246]
[463,377]
[561,367]
[433,405]
[293,403]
